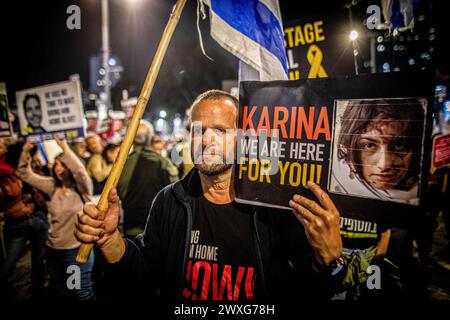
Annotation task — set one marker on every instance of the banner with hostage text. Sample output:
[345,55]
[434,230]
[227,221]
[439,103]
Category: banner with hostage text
[362,139]
[46,110]
[319,46]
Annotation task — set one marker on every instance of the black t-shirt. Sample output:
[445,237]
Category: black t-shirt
[222,257]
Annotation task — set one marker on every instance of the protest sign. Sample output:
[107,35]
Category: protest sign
[319,46]
[362,139]
[441,152]
[5,125]
[46,110]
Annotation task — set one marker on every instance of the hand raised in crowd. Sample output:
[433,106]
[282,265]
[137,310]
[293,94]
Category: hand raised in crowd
[321,223]
[61,141]
[90,228]
[26,150]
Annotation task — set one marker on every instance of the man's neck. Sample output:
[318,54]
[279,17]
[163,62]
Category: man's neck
[218,189]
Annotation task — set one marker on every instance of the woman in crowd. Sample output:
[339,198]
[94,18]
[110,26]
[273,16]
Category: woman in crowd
[97,166]
[68,188]
[80,148]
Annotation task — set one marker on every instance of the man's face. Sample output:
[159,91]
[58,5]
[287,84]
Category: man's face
[385,158]
[33,112]
[210,147]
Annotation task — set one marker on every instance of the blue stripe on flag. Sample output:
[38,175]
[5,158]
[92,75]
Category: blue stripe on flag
[42,151]
[253,19]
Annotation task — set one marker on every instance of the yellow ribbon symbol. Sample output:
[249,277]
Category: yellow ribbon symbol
[314,57]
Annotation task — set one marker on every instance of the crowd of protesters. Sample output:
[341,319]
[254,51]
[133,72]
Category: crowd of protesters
[40,204]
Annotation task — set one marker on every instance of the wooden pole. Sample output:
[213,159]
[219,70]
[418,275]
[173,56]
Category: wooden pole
[85,248]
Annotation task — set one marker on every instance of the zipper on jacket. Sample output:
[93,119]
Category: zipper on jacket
[187,241]
[258,254]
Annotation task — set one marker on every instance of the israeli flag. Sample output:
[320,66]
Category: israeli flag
[252,31]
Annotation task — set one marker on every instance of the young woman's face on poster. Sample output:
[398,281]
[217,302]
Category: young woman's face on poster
[384,155]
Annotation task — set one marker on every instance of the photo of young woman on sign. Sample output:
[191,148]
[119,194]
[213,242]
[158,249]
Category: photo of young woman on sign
[378,144]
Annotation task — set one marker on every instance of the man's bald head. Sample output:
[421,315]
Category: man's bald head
[214,94]
[144,134]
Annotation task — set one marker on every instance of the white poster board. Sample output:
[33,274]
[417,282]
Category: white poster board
[46,110]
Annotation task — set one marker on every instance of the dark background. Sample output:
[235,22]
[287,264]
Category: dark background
[38,48]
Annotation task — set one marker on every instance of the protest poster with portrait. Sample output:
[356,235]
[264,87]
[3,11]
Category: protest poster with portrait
[365,140]
[5,124]
[46,110]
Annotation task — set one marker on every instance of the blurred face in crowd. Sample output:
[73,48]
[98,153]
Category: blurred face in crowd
[36,161]
[33,112]
[60,170]
[142,135]
[157,144]
[80,148]
[94,144]
[92,124]
[3,148]
[385,158]
[112,154]
[209,147]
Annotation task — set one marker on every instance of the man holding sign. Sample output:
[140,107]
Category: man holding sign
[200,244]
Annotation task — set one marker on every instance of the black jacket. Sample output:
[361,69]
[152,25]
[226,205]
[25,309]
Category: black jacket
[145,173]
[154,263]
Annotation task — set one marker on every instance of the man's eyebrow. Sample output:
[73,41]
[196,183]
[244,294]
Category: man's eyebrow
[217,126]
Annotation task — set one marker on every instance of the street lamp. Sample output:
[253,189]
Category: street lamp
[162,114]
[106,53]
[353,36]
[107,60]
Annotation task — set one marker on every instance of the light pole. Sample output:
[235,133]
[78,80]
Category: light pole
[106,53]
[353,36]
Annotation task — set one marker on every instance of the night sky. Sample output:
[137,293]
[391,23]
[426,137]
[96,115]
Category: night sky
[38,48]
